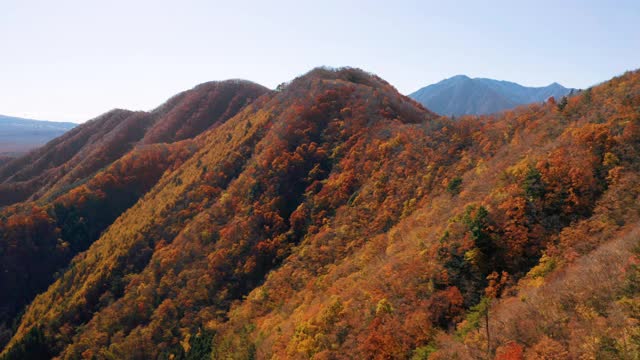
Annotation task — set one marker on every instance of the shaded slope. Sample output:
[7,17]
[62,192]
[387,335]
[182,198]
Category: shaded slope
[38,240]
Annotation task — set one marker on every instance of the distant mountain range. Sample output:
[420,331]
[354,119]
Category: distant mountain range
[462,95]
[18,135]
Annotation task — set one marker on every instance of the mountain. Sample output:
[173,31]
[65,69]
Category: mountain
[19,135]
[462,95]
[80,182]
[92,146]
[336,218]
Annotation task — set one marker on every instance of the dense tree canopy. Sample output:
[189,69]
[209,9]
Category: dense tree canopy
[337,217]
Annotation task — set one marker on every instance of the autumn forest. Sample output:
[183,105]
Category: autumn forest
[330,218]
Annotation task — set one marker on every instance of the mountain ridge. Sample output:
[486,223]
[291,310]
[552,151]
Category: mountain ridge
[79,183]
[72,156]
[462,95]
[336,216]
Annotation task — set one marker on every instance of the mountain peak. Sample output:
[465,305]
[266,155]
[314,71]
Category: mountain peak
[345,74]
[555,85]
[459,77]
[461,95]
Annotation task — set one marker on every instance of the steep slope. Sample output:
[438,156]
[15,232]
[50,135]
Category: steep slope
[38,238]
[97,143]
[514,189]
[533,181]
[462,95]
[18,135]
[338,219]
[242,199]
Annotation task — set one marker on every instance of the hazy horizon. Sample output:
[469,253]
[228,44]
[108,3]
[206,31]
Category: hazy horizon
[271,87]
[72,61]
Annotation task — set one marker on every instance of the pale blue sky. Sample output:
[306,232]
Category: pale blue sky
[73,60]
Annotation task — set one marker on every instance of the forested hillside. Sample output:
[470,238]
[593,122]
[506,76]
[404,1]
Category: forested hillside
[86,149]
[80,183]
[335,218]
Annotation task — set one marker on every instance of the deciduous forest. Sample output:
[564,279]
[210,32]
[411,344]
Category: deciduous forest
[331,218]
